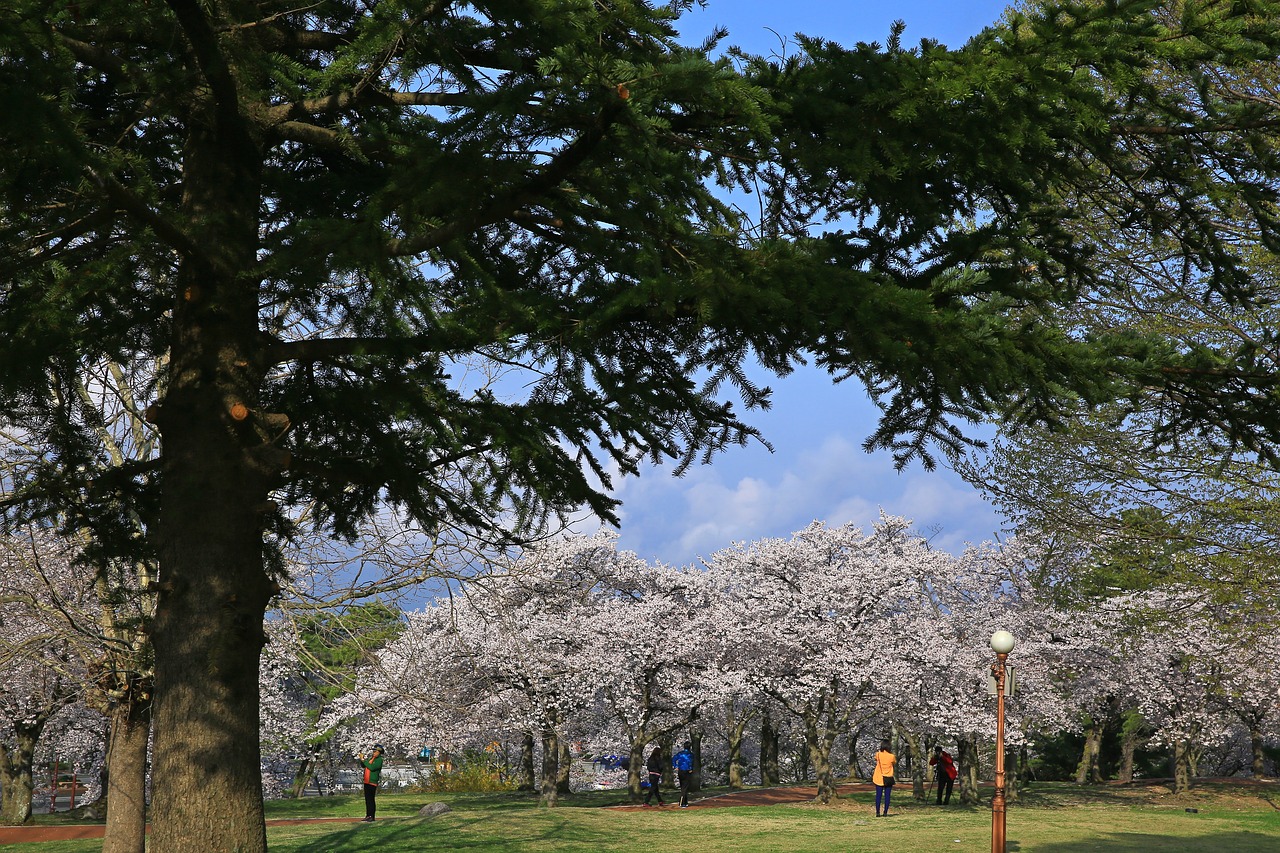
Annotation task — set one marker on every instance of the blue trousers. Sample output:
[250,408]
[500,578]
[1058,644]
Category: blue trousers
[884,790]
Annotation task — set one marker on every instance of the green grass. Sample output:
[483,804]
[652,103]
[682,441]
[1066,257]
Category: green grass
[1052,819]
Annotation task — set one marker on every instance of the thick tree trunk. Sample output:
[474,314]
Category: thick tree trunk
[126,792]
[1130,736]
[855,765]
[562,771]
[735,731]
[636,770]
[208,784]
[820,733]
[550,762]
[1012,782]
[218,469]
[1258,762]
[1194,753]
[968,776]
[769,774]
[917,763]
[695,747]
[820,760]
[1181,766]
[1088,771]
[17,785]
[526,777]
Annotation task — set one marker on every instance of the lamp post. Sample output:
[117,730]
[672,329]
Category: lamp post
[1002,643]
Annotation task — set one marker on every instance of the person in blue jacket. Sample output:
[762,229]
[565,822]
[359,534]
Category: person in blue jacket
[682,761]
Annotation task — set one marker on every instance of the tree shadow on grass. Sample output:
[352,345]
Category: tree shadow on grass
[1128,842]
[423,835]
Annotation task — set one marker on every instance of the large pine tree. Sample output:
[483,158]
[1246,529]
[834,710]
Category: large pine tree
[457,258]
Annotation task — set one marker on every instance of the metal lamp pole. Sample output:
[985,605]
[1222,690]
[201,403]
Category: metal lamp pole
[1002,643]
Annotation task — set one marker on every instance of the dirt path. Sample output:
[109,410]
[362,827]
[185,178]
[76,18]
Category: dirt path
[757,797]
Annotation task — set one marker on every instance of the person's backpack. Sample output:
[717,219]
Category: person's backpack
[683,760]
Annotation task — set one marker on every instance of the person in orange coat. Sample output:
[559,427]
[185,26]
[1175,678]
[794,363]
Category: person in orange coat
[882,778]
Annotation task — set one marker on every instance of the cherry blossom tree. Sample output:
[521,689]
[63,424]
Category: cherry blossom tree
[43,659]
[286,719]
[512,638]
[823,607]
[1249,688]
[107,528]
[942,671]
[77,737]
[1187,671]
[649,651]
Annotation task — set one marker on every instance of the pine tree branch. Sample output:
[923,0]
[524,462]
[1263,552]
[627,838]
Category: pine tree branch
[361,97]
[270,19]
[326,349]
[311,134]
[93,56]
[320,40]
[365,475]
[542,182]
[1174,130]
[135,206]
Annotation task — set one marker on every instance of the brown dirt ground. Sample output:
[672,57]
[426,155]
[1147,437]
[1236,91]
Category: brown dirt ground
[757,797]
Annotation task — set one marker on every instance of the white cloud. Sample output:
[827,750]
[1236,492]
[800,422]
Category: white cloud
[759,496]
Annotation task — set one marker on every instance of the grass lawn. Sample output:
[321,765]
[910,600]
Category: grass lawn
[1052,818]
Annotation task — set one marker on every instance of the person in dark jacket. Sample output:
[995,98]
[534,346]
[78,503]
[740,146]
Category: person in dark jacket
[655,765]
[372,776]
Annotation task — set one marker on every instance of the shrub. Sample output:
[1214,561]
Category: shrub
[471,778]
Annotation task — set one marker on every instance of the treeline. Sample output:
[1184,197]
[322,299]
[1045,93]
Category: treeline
[790,659]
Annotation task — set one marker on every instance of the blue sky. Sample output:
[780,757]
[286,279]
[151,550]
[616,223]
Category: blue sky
[818,470]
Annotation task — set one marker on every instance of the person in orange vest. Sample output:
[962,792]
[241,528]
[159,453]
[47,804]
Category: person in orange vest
[882,778]
[372,775]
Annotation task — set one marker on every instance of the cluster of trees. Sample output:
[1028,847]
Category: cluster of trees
[785,659]
[271,272]
[822,643]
